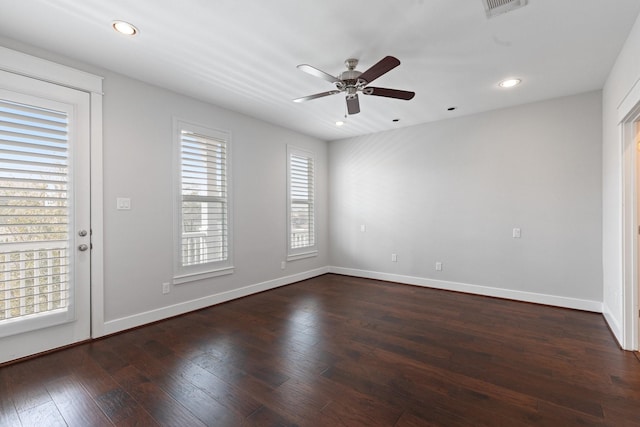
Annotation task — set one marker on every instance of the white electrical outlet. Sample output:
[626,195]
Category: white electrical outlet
[123,203]
[394,258]
[363,228]
[516,233]
[438,266]
[166,288]
[283,264]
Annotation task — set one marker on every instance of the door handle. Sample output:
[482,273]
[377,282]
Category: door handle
[83,247]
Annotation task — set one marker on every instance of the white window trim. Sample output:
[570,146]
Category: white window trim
[205,271]
[303,255]
[307,251]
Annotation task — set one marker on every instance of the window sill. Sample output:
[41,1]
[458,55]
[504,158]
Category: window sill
[303,255]
[192,277]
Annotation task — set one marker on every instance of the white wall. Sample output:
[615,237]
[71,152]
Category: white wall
[624,75]
[452,191]
[137,162]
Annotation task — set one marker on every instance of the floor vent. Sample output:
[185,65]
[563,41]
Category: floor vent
[498,7]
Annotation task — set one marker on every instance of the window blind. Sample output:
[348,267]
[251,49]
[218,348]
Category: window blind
[301,208]
[34,210]
[204,208]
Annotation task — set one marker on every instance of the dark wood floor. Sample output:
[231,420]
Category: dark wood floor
[338,351]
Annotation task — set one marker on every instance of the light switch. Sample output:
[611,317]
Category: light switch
[516,233]
[123,203]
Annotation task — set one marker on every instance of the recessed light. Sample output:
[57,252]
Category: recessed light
[339,123]
[509,83]
[124,28]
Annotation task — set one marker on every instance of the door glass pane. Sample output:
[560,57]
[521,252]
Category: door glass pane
[34,211]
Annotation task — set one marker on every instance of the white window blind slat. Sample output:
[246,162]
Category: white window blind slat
[28,180]
[29,111]
[15,127]
[34,121]
[27,175]
[22,151]
[61,150]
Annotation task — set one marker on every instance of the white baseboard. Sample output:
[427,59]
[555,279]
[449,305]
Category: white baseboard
[558,301]
[129,322]
[614,324]
[124,323]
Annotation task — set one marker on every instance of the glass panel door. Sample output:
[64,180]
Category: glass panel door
[44,216]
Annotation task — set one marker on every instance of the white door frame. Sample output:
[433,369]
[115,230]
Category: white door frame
[37,68]
[628,117]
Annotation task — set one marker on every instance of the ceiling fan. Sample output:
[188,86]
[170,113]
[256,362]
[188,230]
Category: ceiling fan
[353,81]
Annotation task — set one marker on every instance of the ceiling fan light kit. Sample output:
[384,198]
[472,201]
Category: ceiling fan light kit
[353,81]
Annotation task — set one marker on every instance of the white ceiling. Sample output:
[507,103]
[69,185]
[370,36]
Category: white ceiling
[242,54]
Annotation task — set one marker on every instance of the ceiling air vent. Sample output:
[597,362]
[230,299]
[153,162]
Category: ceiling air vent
[498,7]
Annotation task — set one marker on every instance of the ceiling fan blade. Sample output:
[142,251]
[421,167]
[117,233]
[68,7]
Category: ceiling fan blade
[317,95]
[389,93]
[385,65]
[353,105]
[318,73]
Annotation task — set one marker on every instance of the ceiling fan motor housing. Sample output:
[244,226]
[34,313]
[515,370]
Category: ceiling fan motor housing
[349,79]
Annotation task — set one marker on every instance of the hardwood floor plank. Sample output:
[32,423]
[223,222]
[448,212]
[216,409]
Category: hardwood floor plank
[27,395]
[410,420]
[94,379]
[139,418]
[238,395]
[178,376]
[8,412]
[552,413]
[46,414]
[359,411]
[76,406]
[118,405]
[103,354]
[202,405]
[263,416]
[82,413]
[164,409]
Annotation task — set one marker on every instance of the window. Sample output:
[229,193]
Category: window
[301,209]
[203,210]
